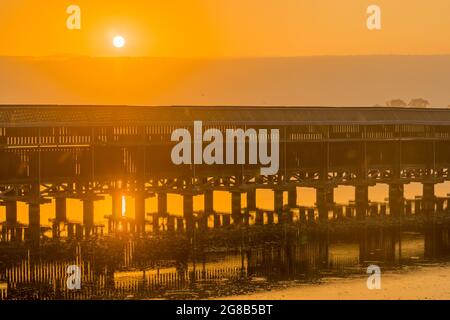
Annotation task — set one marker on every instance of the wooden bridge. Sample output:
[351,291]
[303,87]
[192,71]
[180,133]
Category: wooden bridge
[52,153]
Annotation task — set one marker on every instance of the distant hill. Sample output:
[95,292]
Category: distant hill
[345,81]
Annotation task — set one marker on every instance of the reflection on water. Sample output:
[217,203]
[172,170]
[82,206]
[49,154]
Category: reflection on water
[234,263]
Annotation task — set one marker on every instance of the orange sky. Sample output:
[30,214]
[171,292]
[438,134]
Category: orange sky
[217,28]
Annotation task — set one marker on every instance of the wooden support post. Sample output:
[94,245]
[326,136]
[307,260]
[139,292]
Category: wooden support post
[289,217]
[217,223]
[251,199]
[383,209]
[236,207]
[324,201]
[292,197]
[70,230]
[408,208]
[226,220]
[269,217]
[209,202]
[440,205]
[428,198]
[361,201]
[311,215]
[396,199]
[418,205]
[203,221]
[116,205]
[139,208]
[348,212]
[34,225]
[278,201]
[11,212]
[155,222]
[259,219]
[180,224]
[374,210]
[79,232]
[88,216]
[339,212]
[60,209]
[162,203]
[171,224]
[302,213]
[188,211]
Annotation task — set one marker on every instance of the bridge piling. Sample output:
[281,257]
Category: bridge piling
[302,213]
[209,202]
[428,198]
[217,223]
[349,211]
[396,199]
[34,224]
[259,218]
[10,227]
[251,199]
[278,201]
[408,208]
[60,209]
[236,207]
[139,207]
[170,224]
[373,210]
[11,212]
[292,197]
[88,216]
[161,211]
[270,217]
[439,205]
[417,205]
[162,203]
[34,215]
[324,201]
[117,208]
[226,220]
[361,200]
[188,211]
[311,215]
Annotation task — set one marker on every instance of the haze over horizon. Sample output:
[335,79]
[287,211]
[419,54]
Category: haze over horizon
[329,80]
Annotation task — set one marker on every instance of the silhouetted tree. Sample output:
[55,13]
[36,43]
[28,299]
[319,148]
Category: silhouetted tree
[419,103]
[396,103]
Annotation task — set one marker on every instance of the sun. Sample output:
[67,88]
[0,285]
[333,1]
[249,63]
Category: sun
[119,42]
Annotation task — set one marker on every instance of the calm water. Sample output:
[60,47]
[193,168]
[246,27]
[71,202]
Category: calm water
[238,263]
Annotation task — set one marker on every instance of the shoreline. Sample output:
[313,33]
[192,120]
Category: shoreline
[410,283]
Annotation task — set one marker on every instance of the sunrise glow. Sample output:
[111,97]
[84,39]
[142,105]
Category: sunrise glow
[119,42]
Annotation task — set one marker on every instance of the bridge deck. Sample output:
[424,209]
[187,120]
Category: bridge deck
[54,115]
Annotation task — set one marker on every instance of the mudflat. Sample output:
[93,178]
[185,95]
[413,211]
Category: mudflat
[418,283]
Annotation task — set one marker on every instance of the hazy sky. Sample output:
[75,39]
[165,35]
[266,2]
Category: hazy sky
[216,28]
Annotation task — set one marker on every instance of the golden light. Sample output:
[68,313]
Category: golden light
[124,206]
[119,42]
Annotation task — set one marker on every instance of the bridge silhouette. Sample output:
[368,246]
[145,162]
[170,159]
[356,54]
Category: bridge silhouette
[86,152]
